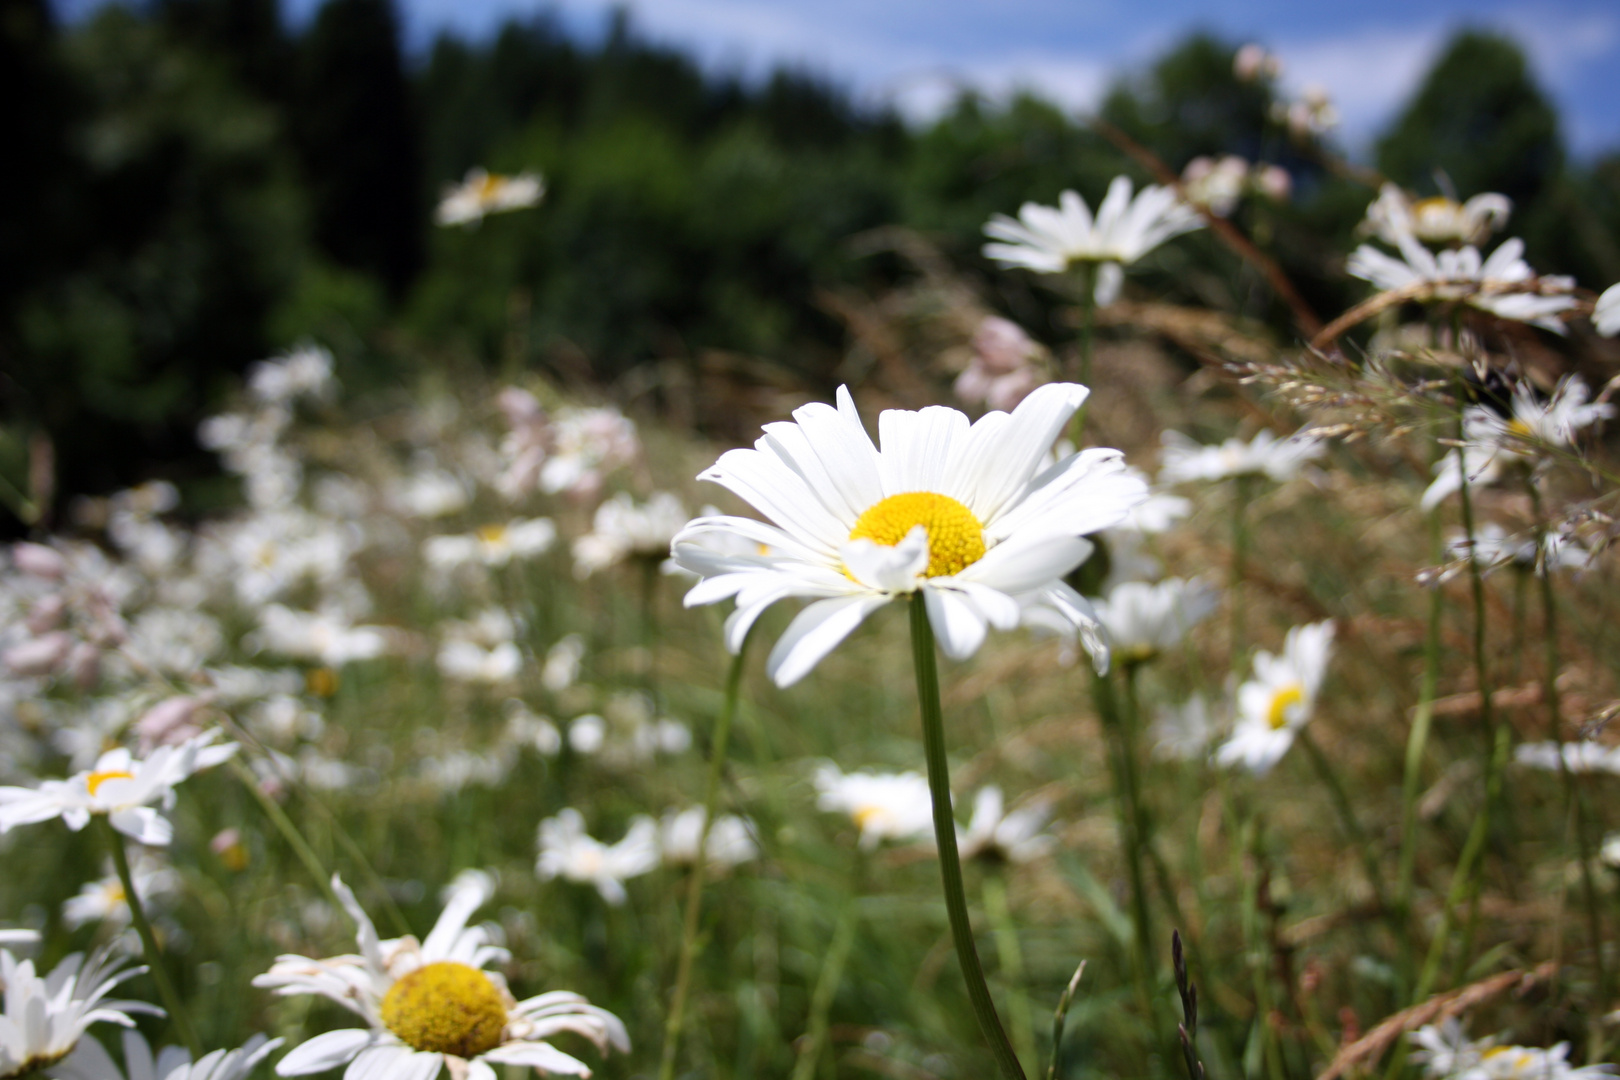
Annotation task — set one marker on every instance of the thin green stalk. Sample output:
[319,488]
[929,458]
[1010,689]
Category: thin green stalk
[832,970]
[1130,841]
[1058,1019]
[950,864]
[1242,492]
[1012,964]
[154,955]
[694,887]
[1347,817]
[289,832]
[1417,740]
[1572,793]
[1255,946]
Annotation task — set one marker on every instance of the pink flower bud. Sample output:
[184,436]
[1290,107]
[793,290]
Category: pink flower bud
[84,665]
[170,722]
[46,614]
[41,656]
[38,560]
[1002,345]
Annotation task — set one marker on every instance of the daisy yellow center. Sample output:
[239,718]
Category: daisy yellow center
[491,186]
[1281,702]
[1437,204]
[96,779]
[492,534]
[1520,428]
[446,1008]
[955,537]
[865,814]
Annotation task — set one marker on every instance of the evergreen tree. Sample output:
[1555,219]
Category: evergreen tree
[356,131]
[247,33]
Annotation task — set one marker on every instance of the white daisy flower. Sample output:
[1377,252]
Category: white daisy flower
[1579,757]
[1049,239]
[731,839]
[885,806]
[468,661]
[1443,1049]
[1502,284]
[328,636]
[1494,546]
[1437,220]
[482,193]
[1144,620]
[623,530]
[431,1005]
[305,372]
[1606,315]
[493,545]
[430,493]
[563,662]
[1279,700]
[962,512]
[46,1018]
[568,852]
[90,1061]
[996,836]
[119,787]
[1186,461]
[105,900]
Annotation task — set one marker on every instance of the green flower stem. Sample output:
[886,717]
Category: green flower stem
[1242,492]
[832,970]
[1572,792]
[1059,1016]
[154,956]
[694,887]
[1416,741]
[1012,964]
[950,864]
[289,832]
[1347,818]
[1250,851]
[1122,766]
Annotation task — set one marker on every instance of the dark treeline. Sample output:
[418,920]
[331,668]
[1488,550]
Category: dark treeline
[195,187]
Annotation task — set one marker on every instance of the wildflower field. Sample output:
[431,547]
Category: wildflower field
[1092,678]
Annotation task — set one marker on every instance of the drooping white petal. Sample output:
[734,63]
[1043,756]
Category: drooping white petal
[815,632]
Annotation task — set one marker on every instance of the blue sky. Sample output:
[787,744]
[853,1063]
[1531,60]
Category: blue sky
[1368,53]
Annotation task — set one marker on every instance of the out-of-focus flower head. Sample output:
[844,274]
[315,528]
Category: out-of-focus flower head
[105,901]
[884,806]
[1436,220]
[1253,62]
[1279,700]
[493,545]
[1186,461]
[1050,239]
[623,530]
[1577,757]
[1185,732]
[328,636]
[568,852]
[1145,620]
[997,836]
[1311,116]
[731,839]
[1005,366]
[90,1061]
[46,1017]
[1606,313]
[482,193]
[304,373]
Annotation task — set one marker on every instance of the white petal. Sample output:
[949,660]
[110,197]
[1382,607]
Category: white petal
[815,632]
[539,1055]
[143,824]
[889,569]
[957,623]
[325,1051]
[917,447]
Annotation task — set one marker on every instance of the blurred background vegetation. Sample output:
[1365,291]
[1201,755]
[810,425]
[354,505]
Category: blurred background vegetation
[196,186]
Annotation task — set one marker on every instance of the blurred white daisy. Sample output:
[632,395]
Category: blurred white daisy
[585,445]
[1494,546]
[731,839]
[105,901]
[468,661]
[305,372]
[1144,620]
[1437,220]
[328,636]
[1610,854]
[1502,284]
[482,193]
[568,852]
[1185,461]
[120,787]
[1216,184]
[90,1061]
[884,806]
[430,493]
[961,512]
[623,530]
[431,1005]
[1606,314]
[46,1018]
[1003,370]
[997,836]
[1050,239]
[495,544]
[1185,732]
[563,661]
[1279,700]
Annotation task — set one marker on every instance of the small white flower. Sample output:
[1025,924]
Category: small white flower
[432,1005]
[1610,854]
[622,530]
[468,661]
[1184,732]
[1216,184]
[90,1061]
[1494,546]
[119,787]
[1144,620]
[885,806]
[1606,315]
[587,734]
[568,852]
[1502,284]
[493,545]
[327,636]
[1279,700]
[1186,461]
[105,900]
[46,1018]
[731,839]
[996,836]
[430,493]
[483,193]
[1437,220]
[561,669]
[306,372]
[1049,239]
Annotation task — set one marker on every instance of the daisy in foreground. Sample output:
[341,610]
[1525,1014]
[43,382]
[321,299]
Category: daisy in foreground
[46,1016]
[963,514]
[430,1005]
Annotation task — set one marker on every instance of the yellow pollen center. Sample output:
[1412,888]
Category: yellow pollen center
[865,814]
[1520,428]
[96,779]
[1434,204]
[446,1008]
[1281,702]
[955,537]
[492,184]
[492,534]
